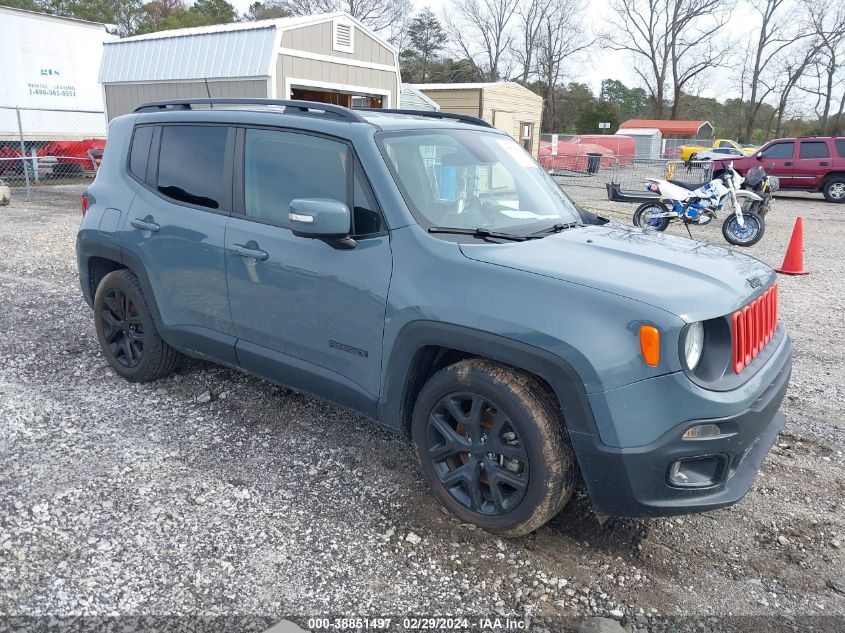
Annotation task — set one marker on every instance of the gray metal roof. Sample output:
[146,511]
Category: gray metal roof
[209,55]
[413,99]
[219,51]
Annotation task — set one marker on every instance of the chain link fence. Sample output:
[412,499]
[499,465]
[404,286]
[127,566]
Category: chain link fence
[611,165]
[42,147]
[628,180]
[672,146]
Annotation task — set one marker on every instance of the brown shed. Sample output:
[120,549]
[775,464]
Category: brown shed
[505,104]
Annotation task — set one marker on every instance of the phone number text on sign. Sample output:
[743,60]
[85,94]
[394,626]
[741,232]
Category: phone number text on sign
[57,91]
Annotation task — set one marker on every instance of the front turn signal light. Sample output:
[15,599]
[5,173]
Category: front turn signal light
[650,344]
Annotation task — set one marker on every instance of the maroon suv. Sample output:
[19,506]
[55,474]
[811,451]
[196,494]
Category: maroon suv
[801,164]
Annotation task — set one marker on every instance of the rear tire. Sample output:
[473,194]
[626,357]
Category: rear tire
[641,216]
[491,444]
[834,189]
[126,331]
[752,233]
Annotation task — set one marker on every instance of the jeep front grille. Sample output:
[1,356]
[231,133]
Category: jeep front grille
[753,327]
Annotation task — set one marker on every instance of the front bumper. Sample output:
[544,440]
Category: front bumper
[633,482]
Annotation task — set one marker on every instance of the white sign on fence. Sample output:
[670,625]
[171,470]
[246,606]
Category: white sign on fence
[49,63]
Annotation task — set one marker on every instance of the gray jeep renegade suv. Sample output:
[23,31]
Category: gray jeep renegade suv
[421,269]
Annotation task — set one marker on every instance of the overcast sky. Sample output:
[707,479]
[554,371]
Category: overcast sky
[608,64]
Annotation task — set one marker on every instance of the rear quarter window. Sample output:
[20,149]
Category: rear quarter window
[139,152]
[840,147]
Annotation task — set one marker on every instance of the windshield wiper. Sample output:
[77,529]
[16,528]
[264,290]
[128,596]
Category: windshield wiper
[555,228]
[481,233]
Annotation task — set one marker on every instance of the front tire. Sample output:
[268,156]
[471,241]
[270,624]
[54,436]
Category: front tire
[748,235]
[643,219]
[125,329]
[491,444]
[834,189]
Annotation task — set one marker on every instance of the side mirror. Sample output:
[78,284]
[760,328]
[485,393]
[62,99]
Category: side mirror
[759,155]
[322,219]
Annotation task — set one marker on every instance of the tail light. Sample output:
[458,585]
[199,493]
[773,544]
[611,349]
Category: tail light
[84,204]
[753,327]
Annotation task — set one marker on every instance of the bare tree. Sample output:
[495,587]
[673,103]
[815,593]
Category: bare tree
[780,29]
[641,27]
[670,40]
[379,15]
[561,37]
[828,23]
[481,29]
[790,73]
[531,17]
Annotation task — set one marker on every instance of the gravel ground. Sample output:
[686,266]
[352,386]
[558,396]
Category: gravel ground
[213,493]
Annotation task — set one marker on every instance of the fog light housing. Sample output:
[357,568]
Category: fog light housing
[702,432]
[697,472]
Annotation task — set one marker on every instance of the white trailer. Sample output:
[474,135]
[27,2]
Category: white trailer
[49,76]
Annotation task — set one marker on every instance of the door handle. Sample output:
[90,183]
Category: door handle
[144,225]
[254,253]
[824,163]
[787,164]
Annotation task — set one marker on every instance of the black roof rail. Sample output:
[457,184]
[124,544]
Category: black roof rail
[464,118]
[297,105]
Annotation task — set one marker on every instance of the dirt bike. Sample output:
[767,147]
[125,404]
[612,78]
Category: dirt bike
[699,204]
[764,185]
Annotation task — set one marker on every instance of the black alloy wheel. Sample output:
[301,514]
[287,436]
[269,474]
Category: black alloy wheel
[491,443]
[127,331]
[123,329]
[477,453]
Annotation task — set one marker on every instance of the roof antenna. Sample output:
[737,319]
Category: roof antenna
[208,91]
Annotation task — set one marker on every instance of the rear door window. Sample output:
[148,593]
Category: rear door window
[840,147]
[191,166]
[780,150]
[813,149]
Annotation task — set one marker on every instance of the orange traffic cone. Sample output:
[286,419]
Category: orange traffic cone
[793,261]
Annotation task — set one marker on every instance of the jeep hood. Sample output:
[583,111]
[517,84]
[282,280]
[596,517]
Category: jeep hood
[693,280]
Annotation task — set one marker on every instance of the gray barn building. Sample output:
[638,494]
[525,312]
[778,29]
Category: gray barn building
[331,58]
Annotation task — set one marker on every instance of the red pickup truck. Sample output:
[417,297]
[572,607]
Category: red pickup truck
[801,164]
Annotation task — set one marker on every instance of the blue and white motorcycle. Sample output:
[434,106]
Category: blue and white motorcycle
[700,203]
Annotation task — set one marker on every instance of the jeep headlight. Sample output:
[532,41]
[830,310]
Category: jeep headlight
[693,344]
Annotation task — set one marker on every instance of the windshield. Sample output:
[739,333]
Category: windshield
[470,179]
